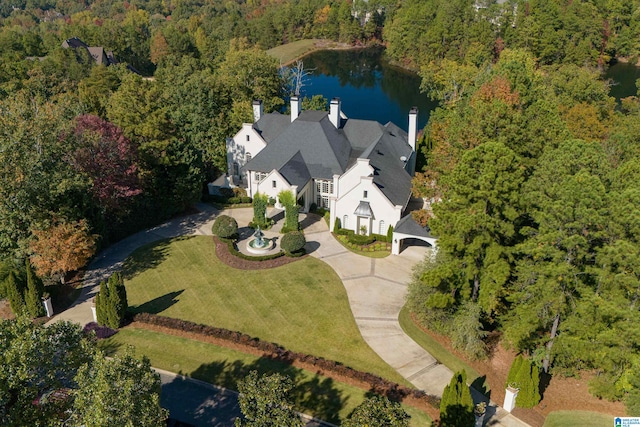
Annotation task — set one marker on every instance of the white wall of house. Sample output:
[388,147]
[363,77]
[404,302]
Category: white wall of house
[273,184]
[242,147]
[349,198]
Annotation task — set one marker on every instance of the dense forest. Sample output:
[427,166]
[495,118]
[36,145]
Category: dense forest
[532,168]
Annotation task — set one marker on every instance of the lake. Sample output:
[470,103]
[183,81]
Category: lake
[370,88]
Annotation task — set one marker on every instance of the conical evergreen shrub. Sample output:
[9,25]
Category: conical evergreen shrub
[456,405]
[513,371]
[14,289]
[528,380]
[33,293]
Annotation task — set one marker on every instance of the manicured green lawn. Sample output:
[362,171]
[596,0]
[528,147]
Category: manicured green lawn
[438,351]
[320,396]
[578,418]
[302,306]
[289,52]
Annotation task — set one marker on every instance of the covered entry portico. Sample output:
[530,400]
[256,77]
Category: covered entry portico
[407,228]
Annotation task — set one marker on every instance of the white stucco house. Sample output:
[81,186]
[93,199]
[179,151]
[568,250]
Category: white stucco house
[360,170]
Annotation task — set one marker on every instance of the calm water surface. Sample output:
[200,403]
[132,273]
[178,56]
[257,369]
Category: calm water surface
[368,87]
[623,77]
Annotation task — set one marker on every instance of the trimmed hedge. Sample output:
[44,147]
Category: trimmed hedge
[293,241]
[224,226]
[377,384]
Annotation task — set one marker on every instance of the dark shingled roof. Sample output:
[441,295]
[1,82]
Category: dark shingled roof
[271,125]
[385,157]
[325,150]
[295,171]
[74,43]
[408,225]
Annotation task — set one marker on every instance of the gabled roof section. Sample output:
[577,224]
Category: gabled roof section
[361,133]
[74,43]
[408,225]
[324,149]
[271,125]
[98,55]
[295,171]
[385,155]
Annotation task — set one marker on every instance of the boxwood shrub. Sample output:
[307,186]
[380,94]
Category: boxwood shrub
[293,242]
[225,227]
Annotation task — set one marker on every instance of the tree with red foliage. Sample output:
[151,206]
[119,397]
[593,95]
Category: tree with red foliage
[108,158]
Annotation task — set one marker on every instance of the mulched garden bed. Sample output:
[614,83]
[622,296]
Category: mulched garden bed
[223,254]
[570,394]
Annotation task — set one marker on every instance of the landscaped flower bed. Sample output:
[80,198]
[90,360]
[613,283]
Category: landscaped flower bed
[230,256]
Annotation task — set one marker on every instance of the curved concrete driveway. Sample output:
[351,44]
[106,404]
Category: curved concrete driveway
[376,289]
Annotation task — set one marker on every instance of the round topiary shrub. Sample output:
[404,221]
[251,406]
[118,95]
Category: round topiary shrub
[225,227]
[293,241]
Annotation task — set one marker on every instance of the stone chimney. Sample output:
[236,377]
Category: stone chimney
[335,111]
[257,110]
[413,127]
[295,107]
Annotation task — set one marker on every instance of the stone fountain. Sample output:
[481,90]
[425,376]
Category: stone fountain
[259,245]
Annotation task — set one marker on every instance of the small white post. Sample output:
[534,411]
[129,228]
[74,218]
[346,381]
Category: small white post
[510,398]
[93,312]
[48,306]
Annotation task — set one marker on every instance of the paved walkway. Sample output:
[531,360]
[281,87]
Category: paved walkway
[376,289]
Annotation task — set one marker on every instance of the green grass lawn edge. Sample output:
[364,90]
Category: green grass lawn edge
[289,52]
[223,367]
[441,354]
[578,418]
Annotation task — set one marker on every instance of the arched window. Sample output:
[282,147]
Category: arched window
[383,229]
[345,221]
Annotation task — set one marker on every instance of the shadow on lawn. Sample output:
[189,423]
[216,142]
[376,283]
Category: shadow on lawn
[148,257]
[316,396]
[157,305]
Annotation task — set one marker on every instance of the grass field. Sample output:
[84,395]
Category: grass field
[289,52]
[439,352]
[578,418]
[316,395]
[302,306]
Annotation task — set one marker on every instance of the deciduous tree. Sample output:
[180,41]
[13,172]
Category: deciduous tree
[264,401]
[378,411]
[61,248]
[122,390]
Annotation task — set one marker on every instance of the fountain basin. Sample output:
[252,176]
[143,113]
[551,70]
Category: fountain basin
[255,249]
